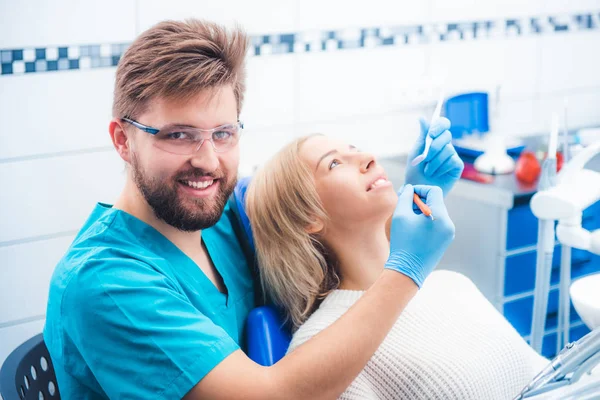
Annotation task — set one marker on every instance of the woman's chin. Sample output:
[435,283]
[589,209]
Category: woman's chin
[383,211]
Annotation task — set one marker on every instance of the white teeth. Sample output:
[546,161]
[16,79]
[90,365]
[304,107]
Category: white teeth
[200,185]
[378,182]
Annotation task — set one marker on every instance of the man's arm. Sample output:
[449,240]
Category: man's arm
[324,366]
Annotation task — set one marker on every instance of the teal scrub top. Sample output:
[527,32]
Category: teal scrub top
[130,316]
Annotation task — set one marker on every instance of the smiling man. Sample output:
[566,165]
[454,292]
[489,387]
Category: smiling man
[151,298]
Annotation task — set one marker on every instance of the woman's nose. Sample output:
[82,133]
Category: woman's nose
[367,162]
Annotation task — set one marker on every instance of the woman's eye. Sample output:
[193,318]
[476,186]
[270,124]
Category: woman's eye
[334,163]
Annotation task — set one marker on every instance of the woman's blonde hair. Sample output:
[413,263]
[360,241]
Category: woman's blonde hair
[297,270]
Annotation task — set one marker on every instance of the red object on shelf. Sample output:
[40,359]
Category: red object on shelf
[560,160]
[470,173]
[528,167]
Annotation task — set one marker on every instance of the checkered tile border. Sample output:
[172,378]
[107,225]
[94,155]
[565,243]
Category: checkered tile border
[32,60]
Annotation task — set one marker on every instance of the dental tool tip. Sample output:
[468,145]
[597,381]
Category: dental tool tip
[431,216]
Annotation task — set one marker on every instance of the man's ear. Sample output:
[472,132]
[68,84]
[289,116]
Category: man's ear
[120,139]
[315,227]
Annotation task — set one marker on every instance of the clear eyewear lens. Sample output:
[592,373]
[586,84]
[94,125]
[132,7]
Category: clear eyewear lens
[188,141]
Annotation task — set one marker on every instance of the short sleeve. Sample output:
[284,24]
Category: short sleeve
[138,334]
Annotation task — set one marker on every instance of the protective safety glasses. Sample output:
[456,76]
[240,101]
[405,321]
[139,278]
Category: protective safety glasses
[185,140]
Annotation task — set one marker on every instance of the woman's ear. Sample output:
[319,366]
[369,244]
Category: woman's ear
[315,227]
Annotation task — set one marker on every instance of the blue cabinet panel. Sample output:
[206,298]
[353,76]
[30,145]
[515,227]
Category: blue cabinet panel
[549,349]
[522,227]
[519,275]
[520,313]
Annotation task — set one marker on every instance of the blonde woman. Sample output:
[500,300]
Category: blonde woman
[319,211]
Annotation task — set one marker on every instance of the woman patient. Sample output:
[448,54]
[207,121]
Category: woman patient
[318,210]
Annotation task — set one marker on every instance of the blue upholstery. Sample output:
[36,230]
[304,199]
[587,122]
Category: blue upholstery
[239,196]
[267,337]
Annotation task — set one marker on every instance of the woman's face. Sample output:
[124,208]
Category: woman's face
[351,185]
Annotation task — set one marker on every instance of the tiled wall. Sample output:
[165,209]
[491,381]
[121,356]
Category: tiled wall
[364,72]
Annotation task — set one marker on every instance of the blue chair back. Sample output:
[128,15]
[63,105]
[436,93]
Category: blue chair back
[267,337]
[28,373]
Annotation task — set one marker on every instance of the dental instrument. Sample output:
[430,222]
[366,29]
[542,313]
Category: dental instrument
[545,245]
[574,361]
[564,304]
[423,207]
[428,139]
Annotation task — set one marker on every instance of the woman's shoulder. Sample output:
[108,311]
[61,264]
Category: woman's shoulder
[324,316]
[449,279]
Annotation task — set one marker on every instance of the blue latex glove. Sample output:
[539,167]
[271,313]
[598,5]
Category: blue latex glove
[416,242]
[442,167]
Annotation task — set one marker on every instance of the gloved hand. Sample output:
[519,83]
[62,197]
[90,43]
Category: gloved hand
[416,242]
[442,167]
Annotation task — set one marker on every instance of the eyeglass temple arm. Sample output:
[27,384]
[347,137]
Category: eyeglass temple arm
[145,128]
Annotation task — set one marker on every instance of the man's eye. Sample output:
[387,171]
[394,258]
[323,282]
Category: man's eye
[177,135]
[221,135]
[334,163]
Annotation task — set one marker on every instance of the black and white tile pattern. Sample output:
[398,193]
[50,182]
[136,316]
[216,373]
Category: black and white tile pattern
[32,60]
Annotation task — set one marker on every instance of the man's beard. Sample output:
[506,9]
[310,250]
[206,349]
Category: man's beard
[167,205]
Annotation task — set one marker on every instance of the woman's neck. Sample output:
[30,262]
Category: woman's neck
[361,255]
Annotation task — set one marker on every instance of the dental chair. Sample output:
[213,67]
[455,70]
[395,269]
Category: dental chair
[267,338]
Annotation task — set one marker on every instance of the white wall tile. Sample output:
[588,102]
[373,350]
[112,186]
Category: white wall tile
[11,337]
[358,82]
[484,64]
[569,60]
[383,135]
[45,196]
[562,6]
[519,65]
[270,91]
[517,117]
[335,14]
[25,276]
[583,107]
[64,22]
[256,17]
[53,112]
[259,144]
[470,10]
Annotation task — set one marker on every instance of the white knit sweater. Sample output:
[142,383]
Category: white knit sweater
[449,343]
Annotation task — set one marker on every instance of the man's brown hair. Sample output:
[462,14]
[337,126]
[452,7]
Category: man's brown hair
[176,60]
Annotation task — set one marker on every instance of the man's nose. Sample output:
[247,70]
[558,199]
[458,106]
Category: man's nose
[205,157]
